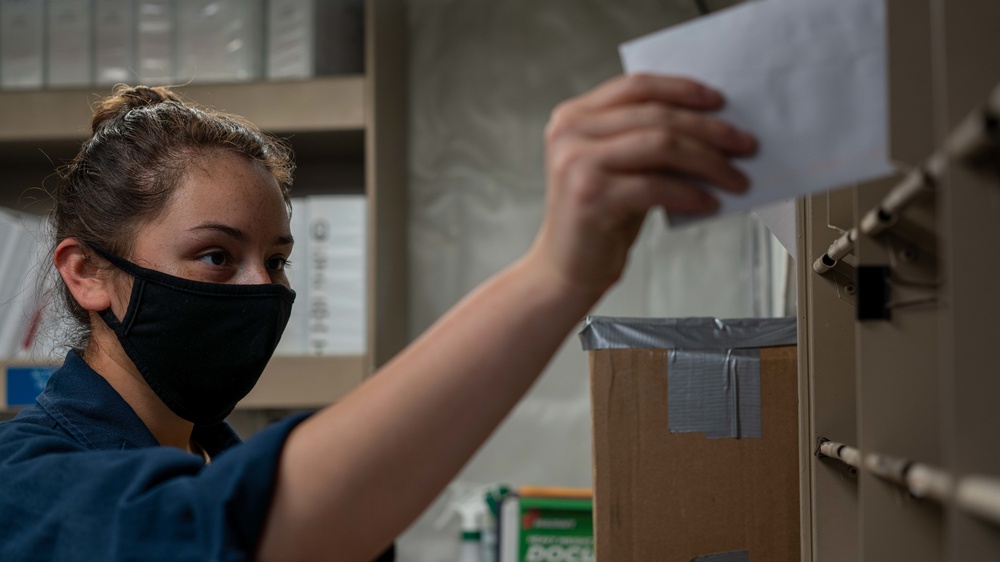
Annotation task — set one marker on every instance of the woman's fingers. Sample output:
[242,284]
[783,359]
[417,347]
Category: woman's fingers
[659,149]
[638,193]
[645,123]
[640,88]
[710,131]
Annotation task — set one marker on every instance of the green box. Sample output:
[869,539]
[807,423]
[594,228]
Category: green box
[556,530]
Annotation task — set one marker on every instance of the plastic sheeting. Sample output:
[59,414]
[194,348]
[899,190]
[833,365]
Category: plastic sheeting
[30,329]
[484,79]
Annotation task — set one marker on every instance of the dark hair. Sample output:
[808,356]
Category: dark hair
[142,142]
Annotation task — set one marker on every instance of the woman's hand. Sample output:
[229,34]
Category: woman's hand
[634,143]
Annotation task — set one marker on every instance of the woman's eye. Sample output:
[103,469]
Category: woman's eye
[278,264]
[215,258]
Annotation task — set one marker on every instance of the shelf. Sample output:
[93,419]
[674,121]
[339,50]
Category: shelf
[288,382]
[322,104]
[349,135]
[305,382]
[323,119]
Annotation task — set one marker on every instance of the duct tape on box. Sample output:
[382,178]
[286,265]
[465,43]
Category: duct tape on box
[734,556]
[714,392]
[713,372]
[605,332]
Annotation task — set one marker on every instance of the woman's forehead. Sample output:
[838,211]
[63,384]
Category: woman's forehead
[227,188]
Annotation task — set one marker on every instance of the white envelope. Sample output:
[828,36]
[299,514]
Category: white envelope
[808,78]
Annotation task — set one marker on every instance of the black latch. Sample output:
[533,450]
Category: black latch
[873,293]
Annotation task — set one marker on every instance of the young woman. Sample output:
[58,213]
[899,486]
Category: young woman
[172,233]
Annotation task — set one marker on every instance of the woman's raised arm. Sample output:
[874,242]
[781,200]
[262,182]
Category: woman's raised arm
[353,476]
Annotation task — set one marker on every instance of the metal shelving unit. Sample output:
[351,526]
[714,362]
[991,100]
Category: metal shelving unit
[897,312]
[348,134]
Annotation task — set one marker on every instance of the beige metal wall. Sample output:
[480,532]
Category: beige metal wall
[921,385]
[969,65]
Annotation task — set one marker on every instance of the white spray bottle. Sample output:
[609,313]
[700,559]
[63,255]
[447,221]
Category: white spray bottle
[472,511]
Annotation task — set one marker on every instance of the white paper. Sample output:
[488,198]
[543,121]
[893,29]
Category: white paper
[22,252]
[780,220]
[807,78]
[336,275]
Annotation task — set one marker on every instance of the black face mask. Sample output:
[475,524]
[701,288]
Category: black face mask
[200,346]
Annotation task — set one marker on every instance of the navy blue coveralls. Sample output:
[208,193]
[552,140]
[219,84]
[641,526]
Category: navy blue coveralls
[82,479]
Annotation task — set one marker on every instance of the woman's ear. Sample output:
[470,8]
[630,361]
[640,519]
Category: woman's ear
[89,285]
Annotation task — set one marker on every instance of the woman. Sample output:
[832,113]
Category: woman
[172,233]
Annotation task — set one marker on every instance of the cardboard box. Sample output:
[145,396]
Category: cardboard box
[665,495]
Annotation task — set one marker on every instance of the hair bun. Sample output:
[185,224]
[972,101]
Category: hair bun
[126,98]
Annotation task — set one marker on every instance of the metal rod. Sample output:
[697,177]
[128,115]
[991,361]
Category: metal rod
[974,136]
[837,251]
[915,185]
[925,481]
[921,480]
[980,496]
[889,468]
[844,453]
[978,134]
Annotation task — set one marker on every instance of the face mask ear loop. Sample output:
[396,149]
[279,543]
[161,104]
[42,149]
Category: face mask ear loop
[121,326]
[109,318]
[115,260]
[125,324]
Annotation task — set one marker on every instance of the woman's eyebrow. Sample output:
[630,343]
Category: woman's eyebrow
[239,235]
[225,229]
